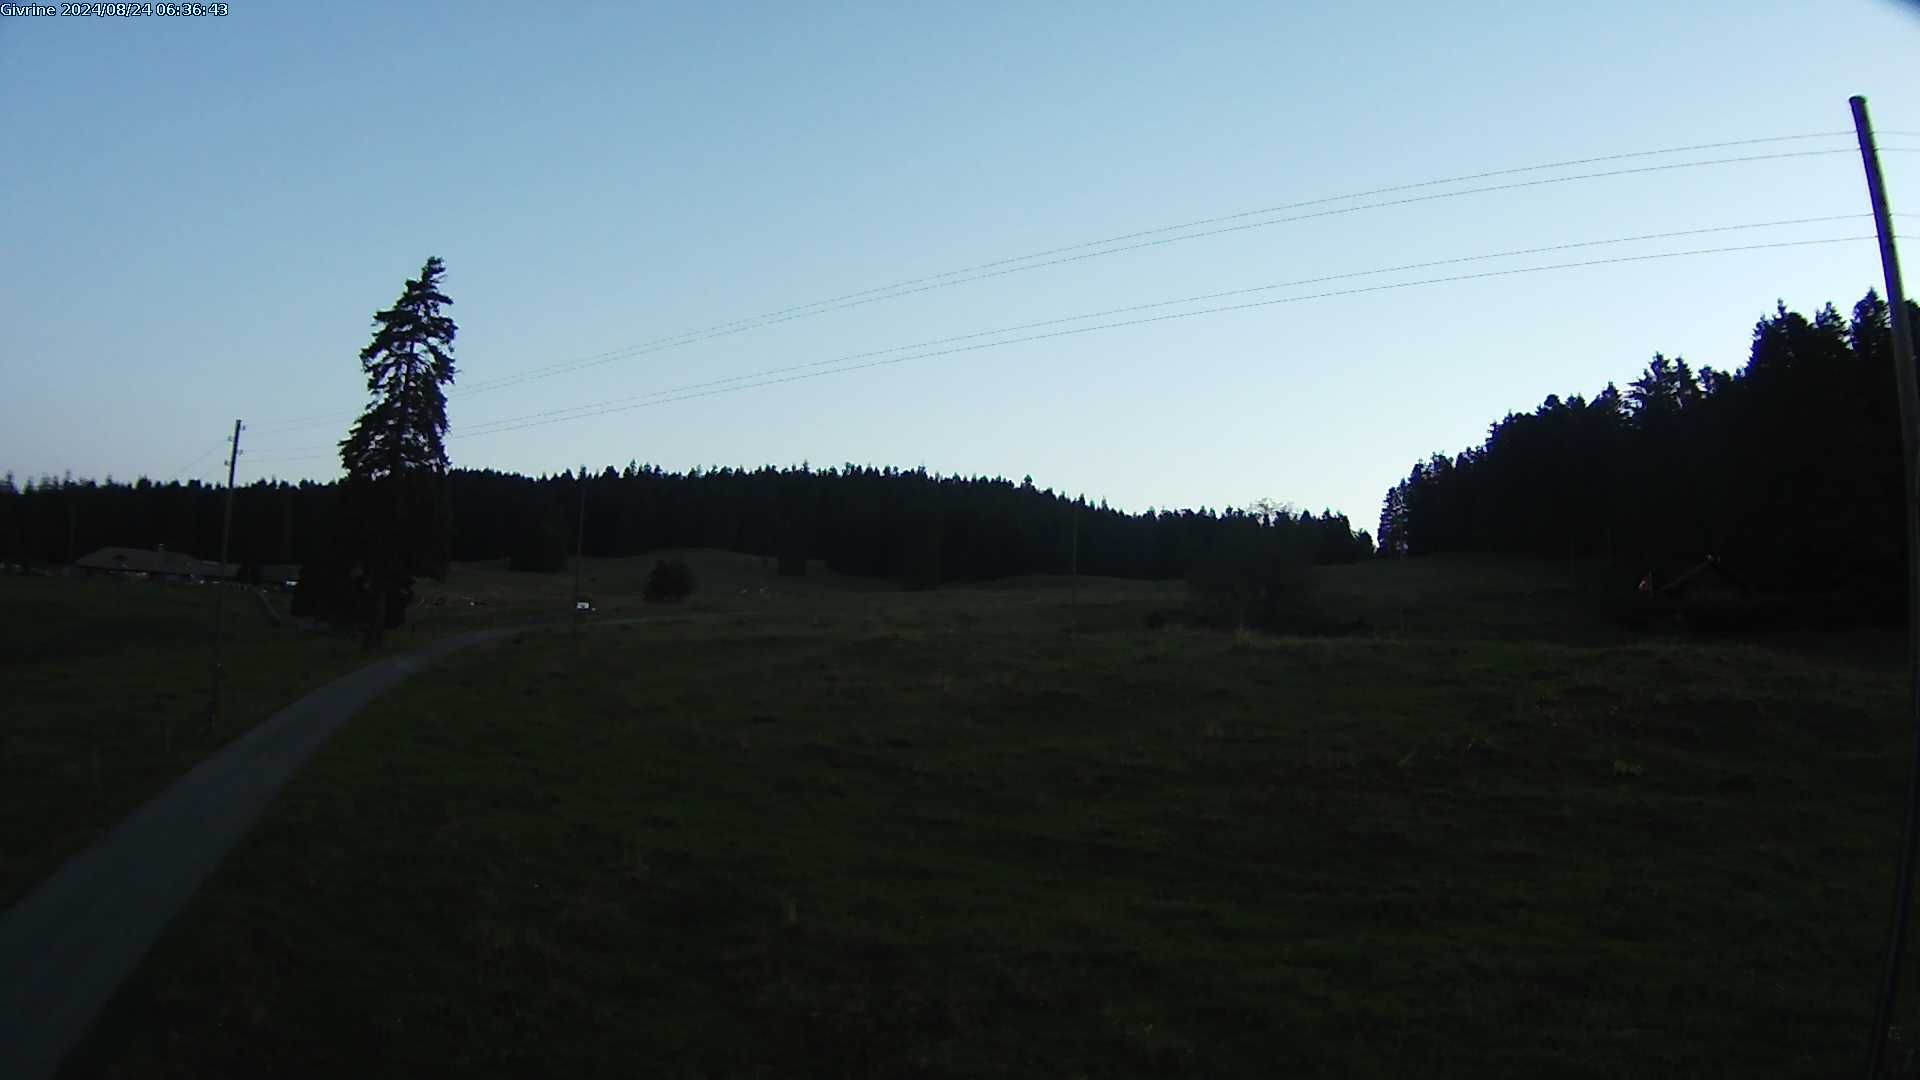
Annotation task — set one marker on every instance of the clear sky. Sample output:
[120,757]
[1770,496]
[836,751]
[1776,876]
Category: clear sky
[198,217]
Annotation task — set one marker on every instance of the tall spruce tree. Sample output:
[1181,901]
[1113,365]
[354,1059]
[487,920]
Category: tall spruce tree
[395,455]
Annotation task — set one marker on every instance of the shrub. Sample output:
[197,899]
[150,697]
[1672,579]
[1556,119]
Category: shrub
[671,580]
[1161,618]
[1258,578]
[338,591]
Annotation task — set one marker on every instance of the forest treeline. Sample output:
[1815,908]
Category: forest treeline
[1788,470]
[916,527]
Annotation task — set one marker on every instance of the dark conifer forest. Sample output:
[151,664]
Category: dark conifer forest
[917,528]
[1786,470]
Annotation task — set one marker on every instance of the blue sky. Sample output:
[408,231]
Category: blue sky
[202,214]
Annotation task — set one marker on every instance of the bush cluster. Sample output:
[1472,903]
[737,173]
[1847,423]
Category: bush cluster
[671,580]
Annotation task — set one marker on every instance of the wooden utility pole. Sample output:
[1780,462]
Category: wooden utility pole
[219,586]
[1073,563]
[579,547]
[1907,382]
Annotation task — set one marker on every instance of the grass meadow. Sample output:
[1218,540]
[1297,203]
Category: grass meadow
[835,830]
[108,689]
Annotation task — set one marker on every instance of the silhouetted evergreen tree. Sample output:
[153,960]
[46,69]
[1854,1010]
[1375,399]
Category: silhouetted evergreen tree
[393,521]
[1788,469]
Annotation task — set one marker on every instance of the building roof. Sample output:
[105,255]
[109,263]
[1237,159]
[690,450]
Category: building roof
[1711,569]
[142,561]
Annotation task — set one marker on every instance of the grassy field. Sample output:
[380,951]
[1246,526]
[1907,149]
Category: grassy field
[835,831]
[108,684]
[478,592]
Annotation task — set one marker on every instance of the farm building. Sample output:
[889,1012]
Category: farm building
[1707,596]
[1709,576]
[139,562]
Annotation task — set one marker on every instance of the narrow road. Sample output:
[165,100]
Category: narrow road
[68,944]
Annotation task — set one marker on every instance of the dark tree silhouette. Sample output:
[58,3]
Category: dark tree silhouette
[540,538]
[855,519]
[671,580]
[1788,469]
[13,534]
[393,510]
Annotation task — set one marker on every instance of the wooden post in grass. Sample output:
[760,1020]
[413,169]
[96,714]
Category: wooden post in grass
[1073,565]
[1908,387]
[579,546]
[219,588]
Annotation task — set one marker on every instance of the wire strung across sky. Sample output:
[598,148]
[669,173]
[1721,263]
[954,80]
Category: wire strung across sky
[944,279]
[1056,256]
[664,397]
[480,428]
[1149,244]
[894,295]
[1182,315]
[198,458]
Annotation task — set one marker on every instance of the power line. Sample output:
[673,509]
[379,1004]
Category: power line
[641,350]
[1169,317]
[894,290]
[198,458]
[1569,163]
[296,454]
[514,380]
[626,404]
[280,453]
[302,421]
[480,428]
